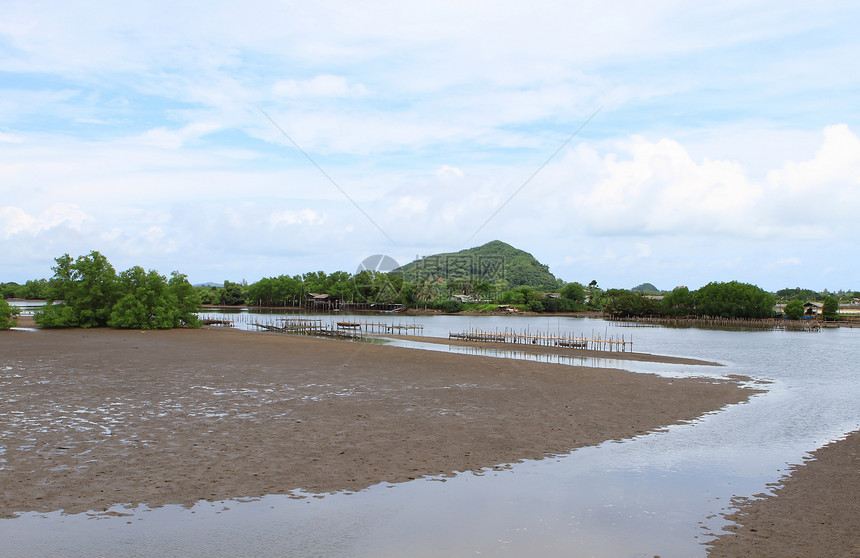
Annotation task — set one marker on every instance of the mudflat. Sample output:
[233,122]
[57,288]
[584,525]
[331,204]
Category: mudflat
[815,511]
[92,418]
[563,351]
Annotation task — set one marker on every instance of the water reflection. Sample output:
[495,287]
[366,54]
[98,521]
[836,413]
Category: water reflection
[658,494]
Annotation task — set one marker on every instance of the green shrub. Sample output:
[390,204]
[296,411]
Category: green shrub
[450,306]
[8,314]
[794,310]
[92,295]
[830,310]
[535,306]
[734,300]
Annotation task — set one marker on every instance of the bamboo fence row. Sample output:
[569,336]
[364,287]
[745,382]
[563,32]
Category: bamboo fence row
[308,326]
[596,342]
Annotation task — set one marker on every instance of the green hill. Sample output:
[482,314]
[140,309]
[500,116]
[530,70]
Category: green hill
[646,288]
[495,263]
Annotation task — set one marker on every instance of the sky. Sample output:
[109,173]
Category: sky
[625,142]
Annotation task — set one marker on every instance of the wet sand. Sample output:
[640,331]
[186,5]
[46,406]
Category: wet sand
[92,418]
[813,512]
[546,350]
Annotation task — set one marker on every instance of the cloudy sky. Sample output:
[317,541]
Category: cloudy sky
[234,141]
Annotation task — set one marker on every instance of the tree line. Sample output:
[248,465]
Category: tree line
[88,292]
[719,300]
[724,300]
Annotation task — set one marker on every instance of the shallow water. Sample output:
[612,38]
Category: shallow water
[658,494]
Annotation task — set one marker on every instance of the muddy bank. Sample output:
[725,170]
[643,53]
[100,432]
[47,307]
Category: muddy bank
[542,350]
[97,417]
[814,512]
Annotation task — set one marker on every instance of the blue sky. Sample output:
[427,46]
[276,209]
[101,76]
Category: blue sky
[725,144]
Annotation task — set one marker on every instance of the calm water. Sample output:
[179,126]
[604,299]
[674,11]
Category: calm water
[659,494]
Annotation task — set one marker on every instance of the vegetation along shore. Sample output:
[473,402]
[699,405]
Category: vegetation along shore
[493,278]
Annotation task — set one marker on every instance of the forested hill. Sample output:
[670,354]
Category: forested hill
[495,263]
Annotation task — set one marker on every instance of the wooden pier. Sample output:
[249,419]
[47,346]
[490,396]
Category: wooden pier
[595,342]
[381,327]
[309,326]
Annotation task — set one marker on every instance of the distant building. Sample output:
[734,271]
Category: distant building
[321,301]
[813,309]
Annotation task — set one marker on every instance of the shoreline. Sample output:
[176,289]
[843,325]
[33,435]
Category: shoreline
[564,351]
[101,417]
[813,511]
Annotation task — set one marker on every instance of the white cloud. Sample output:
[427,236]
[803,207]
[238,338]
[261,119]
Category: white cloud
[10,138]
[783,262]
[15,220]
[319,86]
[659,189]
[448,172]
[643,250]
[154,234]
[819,196]
[656,188]
[174,139]
[834,171]
[290,218]
[410,205]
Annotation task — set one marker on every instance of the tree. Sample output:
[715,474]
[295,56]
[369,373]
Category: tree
[797,293]
[187,300]
[573,291]
[830,310]
[734,300]
[512,296]
[208,295]
[794,310]
[87,289]
[449,306]
[33,289]
[625,304]
[9,290]
[8,314]
[595,297]
[232,294]
[535,306]
[87,292]
[561,305]
[679,302]
[147,302]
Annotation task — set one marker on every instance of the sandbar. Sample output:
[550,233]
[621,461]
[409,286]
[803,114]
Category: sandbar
[564,351]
